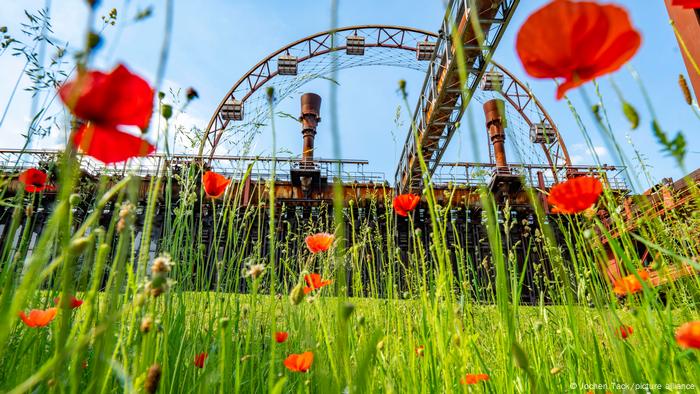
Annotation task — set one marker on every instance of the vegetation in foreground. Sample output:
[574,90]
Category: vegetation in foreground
[85,307]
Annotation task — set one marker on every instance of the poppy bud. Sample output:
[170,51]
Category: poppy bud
[555,370]
[94,40]
[152,379]
[348,308]
[631,114]
[3,29]
[223,322]
[99,232]
[596,112]
[74,199]
[166,110]
[270,93]
[297,294]
[191,94]
[361,320]
[29,210]
[402,85]
[78,245]
[139,300]
[93,3]
[161,95]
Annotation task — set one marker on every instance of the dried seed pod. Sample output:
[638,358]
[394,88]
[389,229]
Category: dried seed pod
[152,379]
[685,89]
[146,324]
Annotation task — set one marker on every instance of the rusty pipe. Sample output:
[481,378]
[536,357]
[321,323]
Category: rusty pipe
[310,117]
[494,111]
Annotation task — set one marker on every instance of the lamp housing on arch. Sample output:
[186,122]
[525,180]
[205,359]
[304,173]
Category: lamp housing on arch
[542,133]
[232,110]
[355,45]
[287,65]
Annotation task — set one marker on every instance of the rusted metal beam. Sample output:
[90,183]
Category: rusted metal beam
[687,22]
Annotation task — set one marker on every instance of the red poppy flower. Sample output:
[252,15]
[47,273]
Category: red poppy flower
[319,242]
[110,145]
[688,335]
[575,195]
[117,98]
[281,336]
[686,3]
[38,318]
[314,282]
[625,331]
[591,40]
[214,184]
[106,102]
[405,203]
[629,284]
[34,180]
[74,302]
[471,378]
[199,360]
[420,350]
[299,362]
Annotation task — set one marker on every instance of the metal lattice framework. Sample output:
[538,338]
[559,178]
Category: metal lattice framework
[383,46]
[388,46]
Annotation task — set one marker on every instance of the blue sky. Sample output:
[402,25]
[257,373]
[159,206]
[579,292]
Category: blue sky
[217,41]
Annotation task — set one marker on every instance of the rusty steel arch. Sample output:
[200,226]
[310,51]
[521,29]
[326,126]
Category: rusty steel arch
[379,36]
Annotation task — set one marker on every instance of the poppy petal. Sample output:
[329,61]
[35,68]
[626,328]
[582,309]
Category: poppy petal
[34,180]
[575,195]
[110,145]
[214,184]
[117,98]
[320,242]
[592,40]
[688,335]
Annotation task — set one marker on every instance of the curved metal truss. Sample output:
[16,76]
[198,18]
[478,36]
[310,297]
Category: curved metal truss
[243,111]
[244,108]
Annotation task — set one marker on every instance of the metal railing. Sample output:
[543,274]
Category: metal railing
[15,160]
[478,174]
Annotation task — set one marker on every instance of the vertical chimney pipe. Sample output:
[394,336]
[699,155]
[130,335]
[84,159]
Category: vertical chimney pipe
[310,117]
[494,111]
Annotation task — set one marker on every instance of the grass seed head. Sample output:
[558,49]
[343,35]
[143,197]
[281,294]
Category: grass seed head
[152,379]
[297,294]
[146,324]
[161,265]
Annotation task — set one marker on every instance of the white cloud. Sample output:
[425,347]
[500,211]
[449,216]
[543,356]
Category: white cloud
[581,154]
